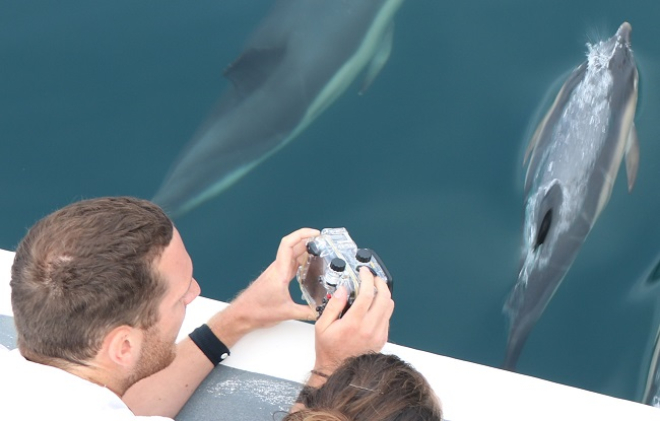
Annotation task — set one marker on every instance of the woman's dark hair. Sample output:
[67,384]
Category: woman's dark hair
[316,415]
[372,387]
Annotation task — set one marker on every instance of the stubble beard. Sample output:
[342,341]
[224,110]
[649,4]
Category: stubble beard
[156,355]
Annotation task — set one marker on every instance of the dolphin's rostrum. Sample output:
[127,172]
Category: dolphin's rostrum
[574,157]
[300,59]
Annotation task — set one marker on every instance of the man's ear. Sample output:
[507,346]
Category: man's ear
[122,345]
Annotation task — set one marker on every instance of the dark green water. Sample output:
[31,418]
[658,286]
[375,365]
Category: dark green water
[98,98]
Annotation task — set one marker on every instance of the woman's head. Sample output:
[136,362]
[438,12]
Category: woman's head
[316,415]
[374,387]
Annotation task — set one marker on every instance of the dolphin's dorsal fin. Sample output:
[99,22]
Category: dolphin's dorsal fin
[632,157]
[252,68]
[379,59]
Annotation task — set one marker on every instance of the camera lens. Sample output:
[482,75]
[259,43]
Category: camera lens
[333,276]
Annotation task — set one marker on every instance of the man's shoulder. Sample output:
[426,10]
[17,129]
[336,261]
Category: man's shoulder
[35,391]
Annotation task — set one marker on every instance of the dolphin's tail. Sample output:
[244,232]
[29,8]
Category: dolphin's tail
[517,332]
[513,350]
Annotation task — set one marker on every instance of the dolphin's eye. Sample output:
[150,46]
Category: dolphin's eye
[543,229]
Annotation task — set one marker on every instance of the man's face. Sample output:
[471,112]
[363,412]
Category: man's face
[175,269]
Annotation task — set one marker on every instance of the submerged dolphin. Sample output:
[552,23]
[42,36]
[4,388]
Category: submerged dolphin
[652,388]
[299,60]
[649,288]
[574,157]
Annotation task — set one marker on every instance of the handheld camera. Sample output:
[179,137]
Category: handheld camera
[335,260]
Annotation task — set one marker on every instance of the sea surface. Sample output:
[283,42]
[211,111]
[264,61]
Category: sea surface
[99,98]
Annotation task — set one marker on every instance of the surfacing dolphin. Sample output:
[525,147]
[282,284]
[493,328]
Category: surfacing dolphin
[299,60]
[574,157]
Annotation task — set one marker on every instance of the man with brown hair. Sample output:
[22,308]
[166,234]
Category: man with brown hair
[99,293]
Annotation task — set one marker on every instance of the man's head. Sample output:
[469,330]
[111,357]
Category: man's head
[87,269]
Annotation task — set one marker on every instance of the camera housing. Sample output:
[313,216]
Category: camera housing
[335,260]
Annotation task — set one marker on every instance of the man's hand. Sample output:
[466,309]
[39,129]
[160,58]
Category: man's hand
[363,328]
[264,303]
[267,300]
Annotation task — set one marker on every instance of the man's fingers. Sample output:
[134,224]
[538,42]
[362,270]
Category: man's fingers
[295,237]
[299,254]
[381,285]
[382,307]
[384,295]
[365,296]
[387,308]
[292,246]
[333,309]
[303,312]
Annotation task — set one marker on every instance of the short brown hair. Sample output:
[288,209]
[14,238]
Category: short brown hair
[84,270]
[373,387]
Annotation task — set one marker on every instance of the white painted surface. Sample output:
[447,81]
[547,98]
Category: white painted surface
[468,391]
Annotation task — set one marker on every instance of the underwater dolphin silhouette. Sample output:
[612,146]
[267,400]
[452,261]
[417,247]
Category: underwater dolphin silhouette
[574,157]
[299,60]
[652,388]
[648,287]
